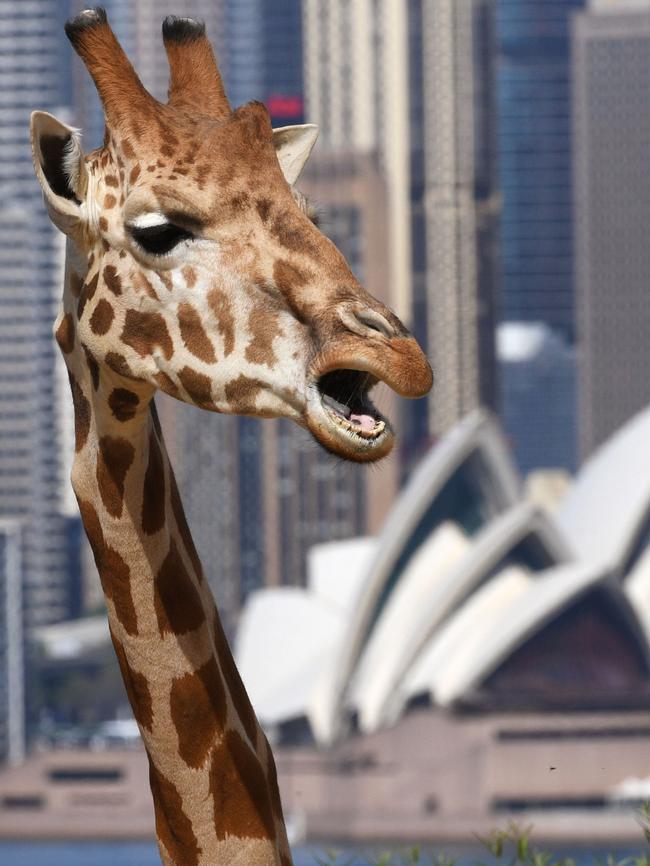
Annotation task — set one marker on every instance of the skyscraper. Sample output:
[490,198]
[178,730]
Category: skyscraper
[459,205]
[413,84]
[535,174]
[534,106]
[12,713]
[262,56]
[536,360]
[356,90]
[612,123]
[33,74]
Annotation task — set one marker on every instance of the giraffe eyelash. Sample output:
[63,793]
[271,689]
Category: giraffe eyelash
[159,239]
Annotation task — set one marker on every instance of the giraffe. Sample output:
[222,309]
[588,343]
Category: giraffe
[192,267]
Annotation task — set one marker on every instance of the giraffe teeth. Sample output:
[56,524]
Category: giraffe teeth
[355,429]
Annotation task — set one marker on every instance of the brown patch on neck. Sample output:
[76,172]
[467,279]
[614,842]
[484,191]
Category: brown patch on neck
[222,308]
[242,806]
[173,827]
[114,573]
[102,318]
[65,334]
[193,334]
[123,404]
[113,462]
[81,414]
[112,280]
[145,331]
[198,711]
[234,683]
[120,365]
[242,392]
[93,367]
[87,294]
[264,326]
[166,383]
[288,278]
[177,602]
[137,688]
[293,234]
[183,528]
[197,385]
[264,207]
[153,497]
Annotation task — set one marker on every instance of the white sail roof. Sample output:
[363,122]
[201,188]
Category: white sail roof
[445,589]
[382,655]
[287,634]
[494,622]
[608,501]
[477,436]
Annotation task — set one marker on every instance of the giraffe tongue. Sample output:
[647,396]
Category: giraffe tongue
[366,422]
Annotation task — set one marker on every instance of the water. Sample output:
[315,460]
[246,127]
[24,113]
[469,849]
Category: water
[145,854]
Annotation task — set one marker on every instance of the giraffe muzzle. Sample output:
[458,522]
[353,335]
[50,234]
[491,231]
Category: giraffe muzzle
[342,417]
[339,411]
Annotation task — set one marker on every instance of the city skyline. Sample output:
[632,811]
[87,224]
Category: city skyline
[444,172]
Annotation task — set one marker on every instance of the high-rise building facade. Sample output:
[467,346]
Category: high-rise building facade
[536,360]
[262,56]
[356,90]
[34,74]
[459,205]
[12,703]
[612,129]
[535,178]
[534,105]
[413,83]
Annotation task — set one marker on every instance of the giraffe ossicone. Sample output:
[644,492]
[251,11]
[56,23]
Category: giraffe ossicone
[192,267]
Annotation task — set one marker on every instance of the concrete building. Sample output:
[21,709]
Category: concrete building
[612,107]
[356,90]
[12,696]
[34,73]
[460,205]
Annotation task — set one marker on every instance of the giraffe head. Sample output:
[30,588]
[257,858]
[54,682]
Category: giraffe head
[201,273]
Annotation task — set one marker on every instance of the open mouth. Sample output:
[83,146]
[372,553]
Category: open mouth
[345,420]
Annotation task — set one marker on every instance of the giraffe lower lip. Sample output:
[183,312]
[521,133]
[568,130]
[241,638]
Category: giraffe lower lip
[342,417]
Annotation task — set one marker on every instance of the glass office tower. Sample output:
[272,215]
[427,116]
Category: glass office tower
[535,160]
[534,140]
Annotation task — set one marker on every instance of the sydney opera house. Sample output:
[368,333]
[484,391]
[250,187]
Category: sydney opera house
[485,657]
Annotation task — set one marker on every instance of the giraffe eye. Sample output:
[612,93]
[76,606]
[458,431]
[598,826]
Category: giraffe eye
[159,239]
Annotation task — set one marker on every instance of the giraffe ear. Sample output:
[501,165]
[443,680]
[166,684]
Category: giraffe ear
[60,168]
[293,144]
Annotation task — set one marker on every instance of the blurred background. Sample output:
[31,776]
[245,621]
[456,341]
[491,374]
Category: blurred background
[461,634]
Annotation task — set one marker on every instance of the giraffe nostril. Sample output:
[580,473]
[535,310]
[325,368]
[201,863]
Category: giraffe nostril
[367,320]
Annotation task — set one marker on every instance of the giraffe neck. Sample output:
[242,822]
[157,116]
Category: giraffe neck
[212,773]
